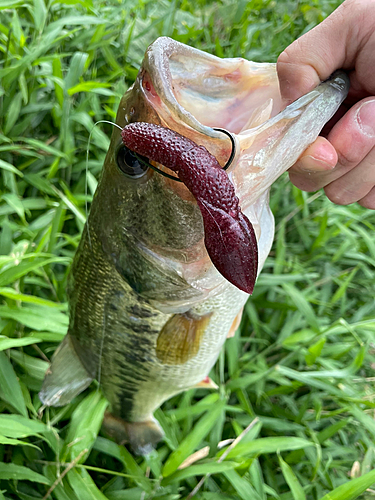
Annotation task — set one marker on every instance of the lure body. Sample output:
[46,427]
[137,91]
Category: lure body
[149,312]
[229,236]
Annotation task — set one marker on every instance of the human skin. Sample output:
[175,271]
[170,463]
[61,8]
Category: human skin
[342,160]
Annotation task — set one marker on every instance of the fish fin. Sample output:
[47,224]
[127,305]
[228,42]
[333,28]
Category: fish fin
[235,325]
[142,436]
[65,378]
[180,338]
[206,383]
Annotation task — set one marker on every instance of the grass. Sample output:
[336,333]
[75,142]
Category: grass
[295,383]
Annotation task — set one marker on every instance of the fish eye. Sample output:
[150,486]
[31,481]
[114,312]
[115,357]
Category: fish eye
[129,164]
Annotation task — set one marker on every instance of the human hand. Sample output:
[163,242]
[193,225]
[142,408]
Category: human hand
[343,163]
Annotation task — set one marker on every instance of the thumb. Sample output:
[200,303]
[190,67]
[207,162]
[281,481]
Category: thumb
[313,57]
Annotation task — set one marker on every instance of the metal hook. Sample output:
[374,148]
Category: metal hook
[233,153]
[226,166]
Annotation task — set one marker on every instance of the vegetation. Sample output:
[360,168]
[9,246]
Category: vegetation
[299,372]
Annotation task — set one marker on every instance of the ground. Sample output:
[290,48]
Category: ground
[302,362]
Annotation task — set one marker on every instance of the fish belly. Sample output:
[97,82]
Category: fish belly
[166,380]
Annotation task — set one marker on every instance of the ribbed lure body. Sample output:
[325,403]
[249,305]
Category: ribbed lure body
[229,235]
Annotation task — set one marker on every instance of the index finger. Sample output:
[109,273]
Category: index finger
[329,46]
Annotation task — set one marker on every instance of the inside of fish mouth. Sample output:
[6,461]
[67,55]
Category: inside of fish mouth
[147,163]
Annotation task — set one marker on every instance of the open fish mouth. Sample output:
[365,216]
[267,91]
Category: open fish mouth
[193,95]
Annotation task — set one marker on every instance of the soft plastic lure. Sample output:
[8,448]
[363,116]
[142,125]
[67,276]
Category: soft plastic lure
[229,235]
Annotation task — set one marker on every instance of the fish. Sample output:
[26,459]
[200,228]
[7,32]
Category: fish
[172,247]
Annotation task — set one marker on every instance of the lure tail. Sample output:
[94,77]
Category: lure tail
[142,436]
[65,378]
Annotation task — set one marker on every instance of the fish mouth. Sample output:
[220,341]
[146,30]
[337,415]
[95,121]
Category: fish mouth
[194,93]
[180,93]
[181,84]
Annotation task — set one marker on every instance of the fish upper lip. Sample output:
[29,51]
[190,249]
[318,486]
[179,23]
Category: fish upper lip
[180,100]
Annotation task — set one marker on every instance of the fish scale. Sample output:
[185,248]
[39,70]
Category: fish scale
[149,312]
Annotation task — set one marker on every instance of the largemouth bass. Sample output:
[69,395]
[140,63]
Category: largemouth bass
[150,307]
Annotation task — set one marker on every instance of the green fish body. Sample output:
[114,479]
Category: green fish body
[149,312]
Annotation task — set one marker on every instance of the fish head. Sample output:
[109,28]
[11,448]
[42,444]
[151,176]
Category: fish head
[150,224]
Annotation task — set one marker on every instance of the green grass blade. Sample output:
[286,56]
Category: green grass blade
[10,168]
[293,483]
[17,426]
[268,445]
[199,470]
[38,318]
[193,439]
[83,486]
[15,272]
[34,366]
[18,473]
[352,489]
[302,305]
[242,486]
[84,426]
[123,455]
[10,389]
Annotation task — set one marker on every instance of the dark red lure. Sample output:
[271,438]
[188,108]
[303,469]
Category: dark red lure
[229,235]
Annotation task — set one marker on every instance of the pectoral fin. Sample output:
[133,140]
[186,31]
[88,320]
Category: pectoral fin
[235,325]
[65,378]
[206,383]
[180,338]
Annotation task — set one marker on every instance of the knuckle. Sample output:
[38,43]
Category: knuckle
[284,57]
[348,158]
[292,53]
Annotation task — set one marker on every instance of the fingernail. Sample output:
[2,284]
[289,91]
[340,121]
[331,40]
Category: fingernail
[366,118]
[310,164]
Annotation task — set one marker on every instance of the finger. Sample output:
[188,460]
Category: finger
[356,184]
[312,58]
[352,138]
[318,159]
[368,201]
[335,43]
